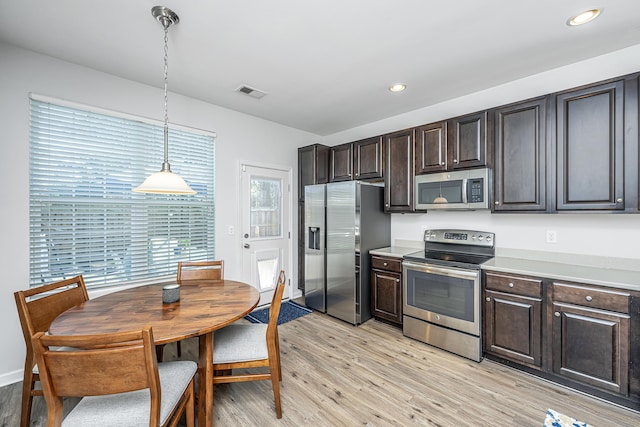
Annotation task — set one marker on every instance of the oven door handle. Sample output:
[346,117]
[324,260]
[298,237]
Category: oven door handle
[429,268]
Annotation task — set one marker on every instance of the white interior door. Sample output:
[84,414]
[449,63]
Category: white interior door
[265,228]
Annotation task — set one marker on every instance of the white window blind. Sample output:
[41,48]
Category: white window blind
[85,218]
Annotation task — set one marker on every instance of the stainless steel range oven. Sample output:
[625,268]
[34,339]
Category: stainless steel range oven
[442,287]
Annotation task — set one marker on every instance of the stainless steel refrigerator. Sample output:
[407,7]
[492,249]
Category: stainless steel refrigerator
[343,220]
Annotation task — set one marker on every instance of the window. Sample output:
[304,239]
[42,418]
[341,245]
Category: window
[84,217]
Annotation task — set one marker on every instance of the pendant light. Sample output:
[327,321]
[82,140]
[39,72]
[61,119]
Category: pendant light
[440,198]
[165,181]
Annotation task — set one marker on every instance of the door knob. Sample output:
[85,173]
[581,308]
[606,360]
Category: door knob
[246,235]
[246,246]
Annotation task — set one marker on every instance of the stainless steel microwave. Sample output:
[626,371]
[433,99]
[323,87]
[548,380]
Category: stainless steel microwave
[456,190]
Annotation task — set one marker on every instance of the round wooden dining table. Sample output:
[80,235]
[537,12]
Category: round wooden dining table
[203,307]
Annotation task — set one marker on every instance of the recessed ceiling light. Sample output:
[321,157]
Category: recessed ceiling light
[397,87]
[583,17]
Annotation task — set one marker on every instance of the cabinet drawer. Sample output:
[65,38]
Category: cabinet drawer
[386,263]
[587,296]
[518,285]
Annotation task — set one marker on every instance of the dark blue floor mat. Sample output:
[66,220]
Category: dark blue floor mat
[288,311]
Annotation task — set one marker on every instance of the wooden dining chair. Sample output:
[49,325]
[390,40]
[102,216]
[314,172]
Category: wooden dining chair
[117,376]
[194,271]
[37,308]
[255,345]
[199,270]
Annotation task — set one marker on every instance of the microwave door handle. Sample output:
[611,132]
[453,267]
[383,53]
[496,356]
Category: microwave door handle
[464,190]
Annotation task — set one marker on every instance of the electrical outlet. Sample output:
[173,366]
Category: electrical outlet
[552,236]
[232,230]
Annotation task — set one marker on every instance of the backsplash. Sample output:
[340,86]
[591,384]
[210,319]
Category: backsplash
[596,235]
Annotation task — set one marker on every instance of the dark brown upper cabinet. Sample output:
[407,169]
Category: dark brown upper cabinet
[367,158]
[431,148]
[313,167]
[519,174]
[341,164]
[590,148]
[398,171]
[467,141]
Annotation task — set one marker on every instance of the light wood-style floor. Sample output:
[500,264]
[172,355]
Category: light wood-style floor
[335,374]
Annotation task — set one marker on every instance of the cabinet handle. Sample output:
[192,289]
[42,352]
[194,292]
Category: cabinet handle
[589,298]
[488,299]
[397,280]
[384,263]
[619,200]
[497,203]
[557,314]
[441,163]
[455,160]
[511,285]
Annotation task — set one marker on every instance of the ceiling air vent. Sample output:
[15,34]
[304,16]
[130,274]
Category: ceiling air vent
[252,92]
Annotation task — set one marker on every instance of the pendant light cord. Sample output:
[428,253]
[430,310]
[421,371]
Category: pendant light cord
[165,165]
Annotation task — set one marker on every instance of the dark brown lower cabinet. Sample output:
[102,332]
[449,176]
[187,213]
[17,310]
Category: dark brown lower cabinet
[513,327]
[581,335]
[591,346]
[386,289]
[513,318]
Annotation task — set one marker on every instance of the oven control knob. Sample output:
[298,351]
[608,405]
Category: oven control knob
[481,238]
[488,238]
[437,317]
[473,237]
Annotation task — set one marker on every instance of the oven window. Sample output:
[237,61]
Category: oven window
[440,192]
[448,296]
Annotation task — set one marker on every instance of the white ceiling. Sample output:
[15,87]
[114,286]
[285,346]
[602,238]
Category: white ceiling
[325,65]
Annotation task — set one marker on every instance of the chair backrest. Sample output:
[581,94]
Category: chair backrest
[276,302]
[36,314]
[200,270]
[97,365]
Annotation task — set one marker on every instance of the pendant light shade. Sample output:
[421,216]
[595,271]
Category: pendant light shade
[165,181]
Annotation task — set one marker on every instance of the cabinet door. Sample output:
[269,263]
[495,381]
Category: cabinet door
[368,158]
[591,346]
[341,162]
[431,148]
[467,141]
[386,295]
[520,149]
[313,167]
[590,140]
[322,164]
[513,327]
[398,172]
[306,168]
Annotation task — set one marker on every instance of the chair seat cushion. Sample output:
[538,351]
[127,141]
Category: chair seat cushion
[133,408]
[240,343]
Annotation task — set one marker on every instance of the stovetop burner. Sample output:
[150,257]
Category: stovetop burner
[448,258]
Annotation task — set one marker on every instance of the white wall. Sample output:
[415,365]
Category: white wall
[591,234]
[239,138]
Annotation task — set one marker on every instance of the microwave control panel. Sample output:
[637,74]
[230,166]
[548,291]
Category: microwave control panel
[475,193]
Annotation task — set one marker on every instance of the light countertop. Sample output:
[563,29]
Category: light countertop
[599,275]
[394,251]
